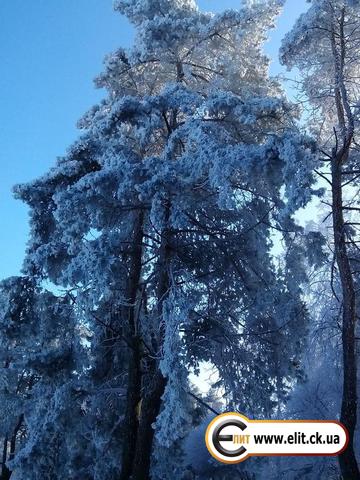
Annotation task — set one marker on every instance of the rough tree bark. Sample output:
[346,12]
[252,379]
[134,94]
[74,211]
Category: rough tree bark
[348,464]
[133,395]
[154,384]
[5,472]
[340,155]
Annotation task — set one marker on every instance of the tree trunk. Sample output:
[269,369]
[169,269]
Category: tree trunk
[155,383]
[133,395]
[14,436]
[150,408]
[5,472]
[348,464]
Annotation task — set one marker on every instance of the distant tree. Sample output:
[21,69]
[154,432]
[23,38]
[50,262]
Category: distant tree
[324,45]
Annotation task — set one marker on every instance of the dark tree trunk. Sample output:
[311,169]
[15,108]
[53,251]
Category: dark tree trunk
[133,398]
[154,384]
[14,436]
[150,408]
[133,395]
[5,472]
[348,464]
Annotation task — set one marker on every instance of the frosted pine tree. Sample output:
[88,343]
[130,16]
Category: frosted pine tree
[39,353]
[157,226]
[324,45]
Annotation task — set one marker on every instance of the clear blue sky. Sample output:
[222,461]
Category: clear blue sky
[50,51]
